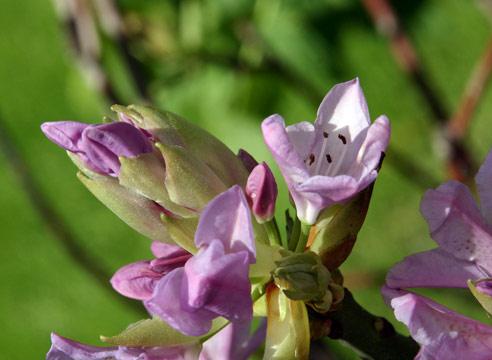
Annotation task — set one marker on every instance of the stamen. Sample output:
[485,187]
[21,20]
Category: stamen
[328,158]
[341,137]
[311,159]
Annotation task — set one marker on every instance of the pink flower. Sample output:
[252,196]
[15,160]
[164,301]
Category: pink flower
[331,161]
[463,231]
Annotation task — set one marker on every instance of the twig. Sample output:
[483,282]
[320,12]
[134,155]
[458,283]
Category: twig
[83,37]
[371,336]
[52,220]
[112,24]
[459,123]
[459,161]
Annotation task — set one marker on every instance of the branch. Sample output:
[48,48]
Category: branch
[370,335]
[459,123]
[460,162]
[53,221]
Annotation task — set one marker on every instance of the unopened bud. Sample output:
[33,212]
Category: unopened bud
[261,192]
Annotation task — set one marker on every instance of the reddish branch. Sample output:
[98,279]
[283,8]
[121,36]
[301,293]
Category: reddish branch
[459,161]
[459,123]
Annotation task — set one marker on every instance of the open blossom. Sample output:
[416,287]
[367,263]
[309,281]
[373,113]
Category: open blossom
[463,232]
[99,146]
[214,282]
[331,161]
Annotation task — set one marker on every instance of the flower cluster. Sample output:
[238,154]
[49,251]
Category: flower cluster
[463,231]
[220,259]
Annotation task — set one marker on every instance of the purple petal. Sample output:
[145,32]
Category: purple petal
[233,342]
[344,106]
[219,282]
[166,303]
[136,280]
[442,333]
[66,349]
[228,219]
[372,148]
[104,144]
[160,249]
[65,134]
[433,268]
[456,223]
[484,187]
[247,159]
[261,192]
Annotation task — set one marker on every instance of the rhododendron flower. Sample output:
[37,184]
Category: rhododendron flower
[214,282]
[331,161]
[463,259]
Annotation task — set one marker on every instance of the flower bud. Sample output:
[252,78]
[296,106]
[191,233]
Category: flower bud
[99,146]
[336,230]
[302,276]
[261,192]
[173,130]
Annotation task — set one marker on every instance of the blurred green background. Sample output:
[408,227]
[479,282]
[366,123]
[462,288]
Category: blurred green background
[225,65]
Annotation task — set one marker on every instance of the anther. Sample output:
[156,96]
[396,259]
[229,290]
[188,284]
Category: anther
[311,159]
[341,137]
[328,158]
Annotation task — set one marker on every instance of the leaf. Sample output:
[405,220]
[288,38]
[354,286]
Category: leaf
[266,256]
[150,332]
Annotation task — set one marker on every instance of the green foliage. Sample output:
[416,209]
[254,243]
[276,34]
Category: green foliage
[225,65]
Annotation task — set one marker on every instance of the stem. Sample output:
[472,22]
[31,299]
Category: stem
[369,334]
[273,233]
[303,237]
[294,236]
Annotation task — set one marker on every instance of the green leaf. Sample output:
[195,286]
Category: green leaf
[266,256]
[484,299]
[135,210]
[150,332]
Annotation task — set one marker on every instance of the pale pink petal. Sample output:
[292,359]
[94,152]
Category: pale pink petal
[227,218]
[302,136]
[372,149]
[344,106]
[433,268]
[290,162]
[442,333]
[456,223]
[484,187]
